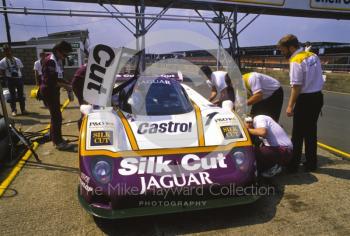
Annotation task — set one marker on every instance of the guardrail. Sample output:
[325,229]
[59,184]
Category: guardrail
[328,67]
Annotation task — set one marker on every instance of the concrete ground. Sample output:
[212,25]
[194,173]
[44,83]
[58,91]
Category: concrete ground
[42,200]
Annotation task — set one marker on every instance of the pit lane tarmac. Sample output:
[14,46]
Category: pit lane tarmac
[42,200]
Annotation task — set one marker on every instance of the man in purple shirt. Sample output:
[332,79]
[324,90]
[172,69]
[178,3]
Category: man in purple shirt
[78,87]
[52,81]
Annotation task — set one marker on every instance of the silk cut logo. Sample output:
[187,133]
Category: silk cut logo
[231,132]
[101,138]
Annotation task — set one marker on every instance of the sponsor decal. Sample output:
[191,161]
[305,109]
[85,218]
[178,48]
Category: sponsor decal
[154,81]
[170,181]
[192,169]
[156,165]
[225,119]
[100,74]
[170,127]
[100,124]
[125,75]
[132,75]
[84,182]
[231,132]
[84,177]
[169,76]
[101,138]
[331,4]
[98,68]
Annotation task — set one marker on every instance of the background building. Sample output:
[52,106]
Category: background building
[28,51]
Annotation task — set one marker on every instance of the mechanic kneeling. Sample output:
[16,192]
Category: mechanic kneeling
[276,149]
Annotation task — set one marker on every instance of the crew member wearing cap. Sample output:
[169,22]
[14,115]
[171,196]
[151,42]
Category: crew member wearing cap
[265,95]
[221,86]
[10,69]
[307,47]
[305,102]
[52,80]
[277,148]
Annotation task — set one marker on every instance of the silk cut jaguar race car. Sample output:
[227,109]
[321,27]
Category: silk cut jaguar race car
[162,148]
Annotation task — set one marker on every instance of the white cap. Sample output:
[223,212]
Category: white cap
[248,119]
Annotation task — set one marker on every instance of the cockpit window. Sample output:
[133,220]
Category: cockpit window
[154,97]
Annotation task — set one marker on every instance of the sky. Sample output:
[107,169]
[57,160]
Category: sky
[266,30]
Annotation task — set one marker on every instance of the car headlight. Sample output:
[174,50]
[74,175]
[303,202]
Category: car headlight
[102,172]
[239,158]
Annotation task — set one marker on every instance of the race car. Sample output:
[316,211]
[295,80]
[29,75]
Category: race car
[161,147]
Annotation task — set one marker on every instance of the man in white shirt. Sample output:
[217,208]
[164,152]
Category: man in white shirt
[221,86]
[265,95]
[38,68]
[305,102]
[277,147]
[10,69]
[38,73]
[308,46]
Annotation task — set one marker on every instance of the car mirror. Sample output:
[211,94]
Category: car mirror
[86,109]
[227,105]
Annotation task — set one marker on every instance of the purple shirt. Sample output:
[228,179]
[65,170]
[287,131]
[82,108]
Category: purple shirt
[78,83]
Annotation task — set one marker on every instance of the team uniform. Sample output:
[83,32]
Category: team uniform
[277,147]
[308,48]
[306,71]
[272,102]
[52,70]
[37,67]
[219,80]
[13,74]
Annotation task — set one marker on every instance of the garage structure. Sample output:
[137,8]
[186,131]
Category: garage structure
[225,15]
[224,24]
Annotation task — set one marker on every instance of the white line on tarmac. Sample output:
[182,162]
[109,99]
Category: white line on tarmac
[31,127]
[327,91]
[336,108]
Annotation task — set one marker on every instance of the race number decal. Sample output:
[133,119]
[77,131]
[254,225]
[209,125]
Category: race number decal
[231,132]
[101,138]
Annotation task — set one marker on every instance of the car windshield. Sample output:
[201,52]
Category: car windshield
[155,96]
